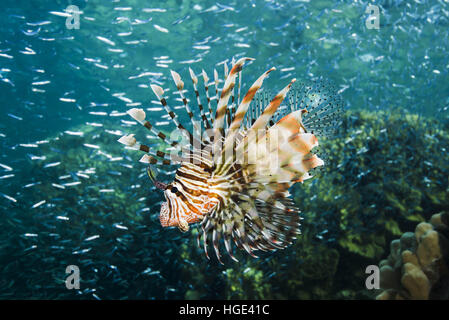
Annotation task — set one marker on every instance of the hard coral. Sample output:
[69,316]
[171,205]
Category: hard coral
[417,267]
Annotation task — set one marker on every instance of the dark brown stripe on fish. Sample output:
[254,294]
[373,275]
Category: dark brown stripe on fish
[148,125]
[144,148]
[250,94]
[227,91]
[195,193]
[153,160]
[191,177]
[236,68]
[221,112]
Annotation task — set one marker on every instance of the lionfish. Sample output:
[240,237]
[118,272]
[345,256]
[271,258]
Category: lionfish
[234,174]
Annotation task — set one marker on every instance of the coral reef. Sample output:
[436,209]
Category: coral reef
[384,174]
[418,264]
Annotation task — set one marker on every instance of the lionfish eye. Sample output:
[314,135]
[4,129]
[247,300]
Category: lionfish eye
[174,189]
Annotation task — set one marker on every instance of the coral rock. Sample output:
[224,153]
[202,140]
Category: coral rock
[415,281]
[417,267]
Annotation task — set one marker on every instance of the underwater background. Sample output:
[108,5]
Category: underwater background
[71,195]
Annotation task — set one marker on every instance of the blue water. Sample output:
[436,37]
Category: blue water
[56,81]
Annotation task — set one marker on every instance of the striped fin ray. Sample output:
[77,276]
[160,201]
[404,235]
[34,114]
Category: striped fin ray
[230,141]
[240,86]
[217,96]
[290,159]
[197,94]
[206,88]
[180,86]
[246,102]
[228,113]
[159,92]
[253,223]
[131,142]
[230,110]
[263,119]
[140,116]
[225,94]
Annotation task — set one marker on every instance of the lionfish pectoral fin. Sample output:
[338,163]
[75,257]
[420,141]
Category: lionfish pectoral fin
[159,185]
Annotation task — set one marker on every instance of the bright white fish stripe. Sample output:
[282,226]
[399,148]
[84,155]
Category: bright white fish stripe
[231,199]
[226,69]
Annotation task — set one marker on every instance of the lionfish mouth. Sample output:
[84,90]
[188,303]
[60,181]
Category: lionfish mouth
[164,215]
[247,204]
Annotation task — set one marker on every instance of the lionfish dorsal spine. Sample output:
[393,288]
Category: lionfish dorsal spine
[217,96]
[206,89]
[239,116]
[226,93]
[204,118]
[264,118]
[159,92]
[180,86]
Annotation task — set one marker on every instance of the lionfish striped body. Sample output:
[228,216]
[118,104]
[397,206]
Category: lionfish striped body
[234,176]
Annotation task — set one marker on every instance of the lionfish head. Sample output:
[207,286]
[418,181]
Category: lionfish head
[173,211]
[176,211]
